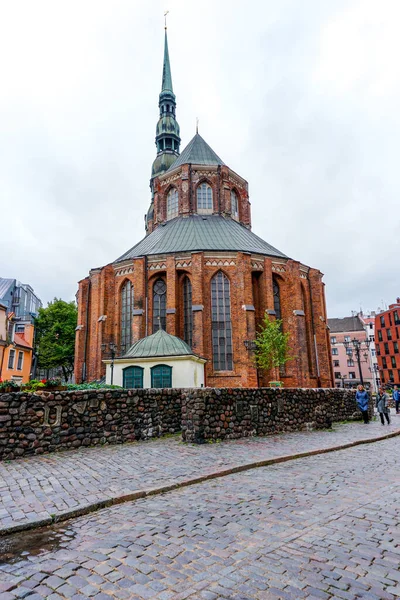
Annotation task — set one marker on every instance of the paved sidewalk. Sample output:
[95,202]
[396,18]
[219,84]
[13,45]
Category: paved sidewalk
[39,490]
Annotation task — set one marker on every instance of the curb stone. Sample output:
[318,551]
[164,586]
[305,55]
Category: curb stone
[155,491]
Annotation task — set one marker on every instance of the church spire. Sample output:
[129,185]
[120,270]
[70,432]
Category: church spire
[167,132]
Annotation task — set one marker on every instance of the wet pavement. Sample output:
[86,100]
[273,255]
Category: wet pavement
[320,527]
[50,486]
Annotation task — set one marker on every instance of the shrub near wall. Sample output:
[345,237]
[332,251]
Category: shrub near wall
[33,424]
[231,414]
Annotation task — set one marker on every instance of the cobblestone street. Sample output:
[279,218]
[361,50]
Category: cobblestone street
[37,489]
[318,527]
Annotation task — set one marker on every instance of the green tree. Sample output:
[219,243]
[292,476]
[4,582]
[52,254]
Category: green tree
[271,345]
[55,336]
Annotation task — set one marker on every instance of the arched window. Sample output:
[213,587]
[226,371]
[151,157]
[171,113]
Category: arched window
[132,377]
[221,325]
[172,203]
[161,376]
[234,205]
[159,305]
[204,198]
[277,299]
[126,315]
[187,311]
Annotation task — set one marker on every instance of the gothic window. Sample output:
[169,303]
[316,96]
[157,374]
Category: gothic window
[187,311]
[277,298]
[133,377]
[159,305]
[221,325]
[204,198]
[126,315]
[161,376]
[172,203]
[234,205]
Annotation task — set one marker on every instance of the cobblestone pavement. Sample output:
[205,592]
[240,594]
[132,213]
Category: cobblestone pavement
[318,528]
[36,488]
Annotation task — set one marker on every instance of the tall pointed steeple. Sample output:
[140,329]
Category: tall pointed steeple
[167,131]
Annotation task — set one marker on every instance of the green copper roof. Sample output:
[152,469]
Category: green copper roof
[166,75]
[197,233]
[160,343]
[197,152]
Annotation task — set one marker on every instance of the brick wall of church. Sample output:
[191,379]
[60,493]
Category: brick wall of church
[251,291]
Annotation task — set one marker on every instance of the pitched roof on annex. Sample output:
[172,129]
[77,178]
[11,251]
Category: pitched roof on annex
[159,344]
[346,324]
[197,152]
[200,233]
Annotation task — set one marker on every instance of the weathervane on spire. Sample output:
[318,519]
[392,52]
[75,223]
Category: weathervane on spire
[165,19]
[197,124]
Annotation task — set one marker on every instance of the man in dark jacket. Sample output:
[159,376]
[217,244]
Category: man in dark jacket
[396,397]
[362,399]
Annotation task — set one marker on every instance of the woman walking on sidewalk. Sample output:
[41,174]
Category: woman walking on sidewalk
[362,399]
[382,406]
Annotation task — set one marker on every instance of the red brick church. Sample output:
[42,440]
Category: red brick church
[201,274]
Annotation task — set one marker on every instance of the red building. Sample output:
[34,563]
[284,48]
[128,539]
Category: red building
[387,341]
[201,274]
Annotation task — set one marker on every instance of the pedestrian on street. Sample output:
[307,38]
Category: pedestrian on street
[396,398]
[382,406]
[362,399]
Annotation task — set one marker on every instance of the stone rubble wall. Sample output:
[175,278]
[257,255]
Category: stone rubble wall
[33,424]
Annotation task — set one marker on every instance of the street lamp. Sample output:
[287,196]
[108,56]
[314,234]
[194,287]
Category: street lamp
[343,377]
[111,349]
[358,347]
[375,370]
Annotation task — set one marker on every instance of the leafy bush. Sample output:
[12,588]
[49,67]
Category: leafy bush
[8,383]
[91,386]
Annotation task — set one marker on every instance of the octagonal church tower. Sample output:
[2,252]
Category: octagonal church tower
[202,275]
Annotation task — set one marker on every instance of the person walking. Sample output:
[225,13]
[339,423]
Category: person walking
[362,400]
[396,398]
[382,406]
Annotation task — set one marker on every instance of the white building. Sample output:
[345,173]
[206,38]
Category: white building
[160,360]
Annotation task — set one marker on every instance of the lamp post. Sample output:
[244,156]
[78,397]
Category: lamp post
[112,350]
[375,371]
[343,377]
[357,345]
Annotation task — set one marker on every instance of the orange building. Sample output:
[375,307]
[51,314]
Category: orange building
[16,348]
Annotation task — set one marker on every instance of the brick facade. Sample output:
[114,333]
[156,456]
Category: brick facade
[387,343]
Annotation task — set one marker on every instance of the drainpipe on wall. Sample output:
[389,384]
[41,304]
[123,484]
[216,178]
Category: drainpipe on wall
[84,366]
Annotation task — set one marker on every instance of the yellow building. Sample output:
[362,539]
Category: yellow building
[16,348]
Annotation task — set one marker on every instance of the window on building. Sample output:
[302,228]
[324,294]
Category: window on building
[159,305]
[187,311]
[11,358]
[126,315]
[337,375]
[373,352]
[133,377]
[20,329]
[221,326]
[336,363]
[172,203]
[390,318]
[393,361]
[371,326]
[333,340]
[371,338]
[396,318]
[384,363]
[352,375]
[277,298]
[396,347]
[378,351]
[234,205]
[349,351]
[350,362]
[386,346]
[346,338]
[204,198]
[335,351]
[161,376]
[380,338]
[391,378]
[20,361]
[382,320]
[389,334]
[398,375]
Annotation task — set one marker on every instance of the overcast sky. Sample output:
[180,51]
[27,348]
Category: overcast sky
[300,97]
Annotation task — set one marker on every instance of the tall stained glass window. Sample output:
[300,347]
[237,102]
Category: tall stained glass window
[172,203]
[221,325]
[187,311]
[277,299]
[126,315]
[159,305]
[234,205]
[204,198]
